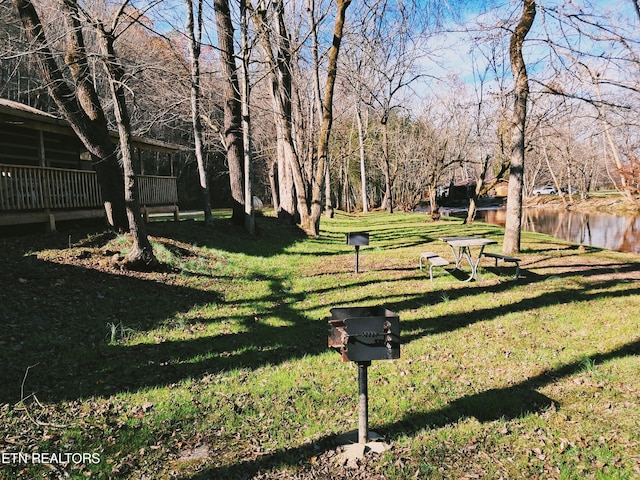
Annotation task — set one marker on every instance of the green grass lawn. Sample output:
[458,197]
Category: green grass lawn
[217,365]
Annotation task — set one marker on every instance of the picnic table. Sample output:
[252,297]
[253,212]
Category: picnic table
[462,248]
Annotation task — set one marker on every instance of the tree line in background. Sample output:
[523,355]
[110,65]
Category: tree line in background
[317,104]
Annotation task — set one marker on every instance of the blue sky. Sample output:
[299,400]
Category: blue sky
[455,52]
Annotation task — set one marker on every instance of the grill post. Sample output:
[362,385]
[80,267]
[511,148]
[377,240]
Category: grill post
[363,403]
[357,239]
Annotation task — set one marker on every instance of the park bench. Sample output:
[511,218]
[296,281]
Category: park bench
[504,258]
[434,260]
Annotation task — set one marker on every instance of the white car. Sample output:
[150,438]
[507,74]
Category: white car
[546,190]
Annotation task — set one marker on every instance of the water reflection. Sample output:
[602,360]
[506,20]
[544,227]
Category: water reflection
[594,229]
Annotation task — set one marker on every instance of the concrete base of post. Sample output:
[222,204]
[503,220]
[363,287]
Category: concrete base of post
[353,449]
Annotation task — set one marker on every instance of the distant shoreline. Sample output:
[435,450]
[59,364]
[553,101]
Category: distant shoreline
[613,203]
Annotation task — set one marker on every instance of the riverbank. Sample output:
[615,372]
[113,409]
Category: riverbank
[606,202]
[612,203]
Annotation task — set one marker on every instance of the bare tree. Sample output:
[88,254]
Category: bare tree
[489,119]
[384,68]
[513,224]
[615,152]
[278,55]
[276,48]
[362,153]
[82,107]
[603,76]
[445,144]
[357,73]
[312,223]
[317,96]
[245,95]
[141,253]
[194,34]
[232,107]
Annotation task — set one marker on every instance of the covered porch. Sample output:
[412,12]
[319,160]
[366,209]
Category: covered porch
[46,175]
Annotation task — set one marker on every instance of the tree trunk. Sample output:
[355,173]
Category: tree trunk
[328,202]
[245,95]
[232,108]
[291,184]
[433,200]
[554,177]
[194,33]
[473,202]
[275,199]
[81,109]
[473,205]
[363,166]
[281,93]
[286,210]
[513,223]
[328,205]
[313,221]
[141,253]
[387,202]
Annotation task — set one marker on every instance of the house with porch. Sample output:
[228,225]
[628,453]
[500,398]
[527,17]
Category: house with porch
[46,174]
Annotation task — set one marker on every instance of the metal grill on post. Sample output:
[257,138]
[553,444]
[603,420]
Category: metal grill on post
[357,239]
[363,334]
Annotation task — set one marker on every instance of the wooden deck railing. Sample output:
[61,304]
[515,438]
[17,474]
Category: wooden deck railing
[38,188]
[154,190]
[34,188]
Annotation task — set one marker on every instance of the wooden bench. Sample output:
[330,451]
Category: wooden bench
[434,260]
[504,258]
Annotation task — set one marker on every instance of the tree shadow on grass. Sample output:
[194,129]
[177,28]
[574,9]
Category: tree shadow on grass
[421,327]
[56,328]
[507,403]
[62,324]
[272,236]
[56,319]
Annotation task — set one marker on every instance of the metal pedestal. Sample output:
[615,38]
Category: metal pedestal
[363,403]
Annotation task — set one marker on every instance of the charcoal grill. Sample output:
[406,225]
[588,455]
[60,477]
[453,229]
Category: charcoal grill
[357,239]
[363,334]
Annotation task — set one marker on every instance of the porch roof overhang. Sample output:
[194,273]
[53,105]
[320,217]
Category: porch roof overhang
[19,114]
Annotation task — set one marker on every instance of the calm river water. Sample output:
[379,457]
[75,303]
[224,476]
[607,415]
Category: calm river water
[594,229]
